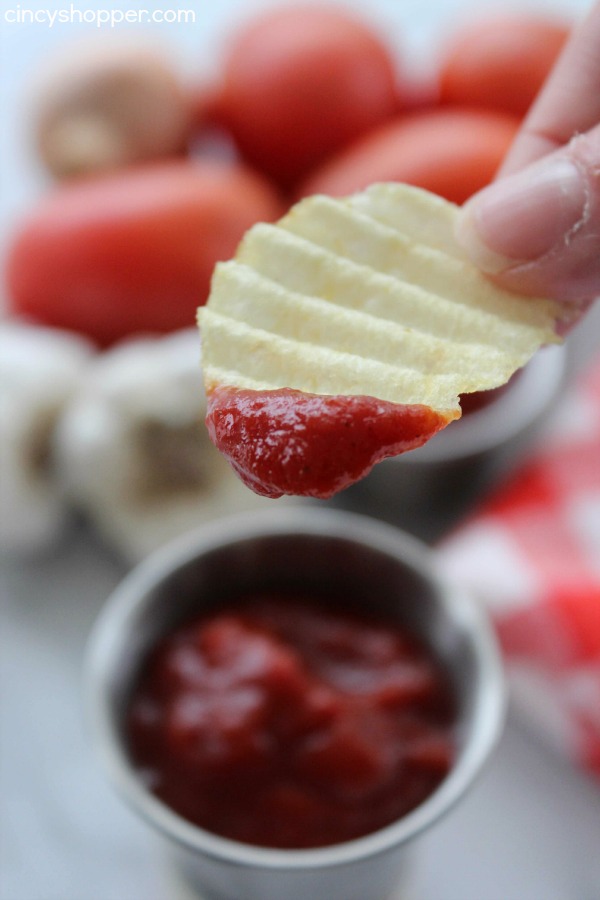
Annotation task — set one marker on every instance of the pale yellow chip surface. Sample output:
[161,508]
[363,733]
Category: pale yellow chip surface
[366,295]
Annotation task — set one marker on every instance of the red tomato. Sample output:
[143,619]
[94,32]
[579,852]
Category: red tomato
[501,62]
[133,252]
[452,152]
[299,83]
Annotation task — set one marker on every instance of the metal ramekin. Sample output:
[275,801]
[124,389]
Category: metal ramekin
[310,548]
[427,491]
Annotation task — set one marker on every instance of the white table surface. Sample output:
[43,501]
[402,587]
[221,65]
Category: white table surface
[528,830]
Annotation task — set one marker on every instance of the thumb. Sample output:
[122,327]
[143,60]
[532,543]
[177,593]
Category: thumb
[538,231]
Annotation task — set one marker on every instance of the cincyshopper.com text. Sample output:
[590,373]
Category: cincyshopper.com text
[100,18]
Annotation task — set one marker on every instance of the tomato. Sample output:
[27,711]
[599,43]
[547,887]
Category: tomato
[452,152]
[133,252]
[501,62]
[300,82]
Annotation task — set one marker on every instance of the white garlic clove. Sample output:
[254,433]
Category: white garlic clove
[39,370]
[133,449]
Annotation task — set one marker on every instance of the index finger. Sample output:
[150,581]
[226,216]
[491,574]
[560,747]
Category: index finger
[569,102]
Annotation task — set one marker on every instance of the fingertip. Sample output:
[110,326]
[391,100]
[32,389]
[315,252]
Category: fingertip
[523,217]
[469,236]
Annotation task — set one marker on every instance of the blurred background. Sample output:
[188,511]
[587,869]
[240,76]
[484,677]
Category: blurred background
[133,155]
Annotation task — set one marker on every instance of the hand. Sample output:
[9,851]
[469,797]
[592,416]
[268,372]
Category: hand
[536,229]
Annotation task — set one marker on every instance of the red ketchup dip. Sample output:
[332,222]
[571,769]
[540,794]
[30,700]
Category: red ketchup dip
[281,723]
[286,441]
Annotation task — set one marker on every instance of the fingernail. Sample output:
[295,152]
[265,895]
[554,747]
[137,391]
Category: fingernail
[524,216]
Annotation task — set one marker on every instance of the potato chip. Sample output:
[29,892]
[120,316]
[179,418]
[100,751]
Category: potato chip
[363,297]
[427,218]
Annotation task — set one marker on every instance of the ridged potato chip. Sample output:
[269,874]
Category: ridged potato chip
[345,333]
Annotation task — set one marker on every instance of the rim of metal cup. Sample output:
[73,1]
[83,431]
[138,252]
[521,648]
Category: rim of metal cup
[103,654]
[511,413]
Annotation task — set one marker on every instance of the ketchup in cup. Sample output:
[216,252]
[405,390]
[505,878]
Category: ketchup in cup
[283,722]
[293,679]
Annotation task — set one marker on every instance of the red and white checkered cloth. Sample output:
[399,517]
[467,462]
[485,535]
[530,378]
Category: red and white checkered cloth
[532,554]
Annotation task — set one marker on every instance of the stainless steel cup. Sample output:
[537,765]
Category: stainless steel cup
[427,491]
[313,549]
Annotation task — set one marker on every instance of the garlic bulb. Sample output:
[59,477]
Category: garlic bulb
[39,369]
[133,449]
